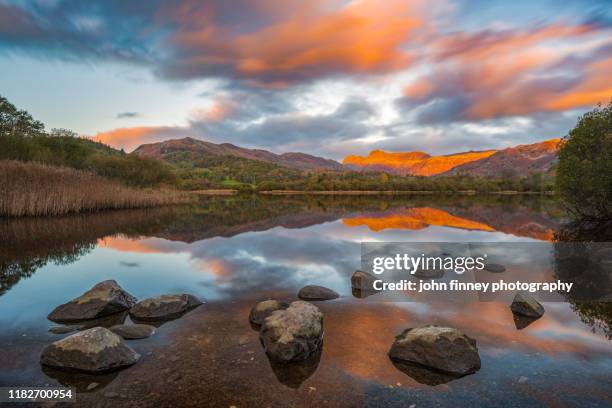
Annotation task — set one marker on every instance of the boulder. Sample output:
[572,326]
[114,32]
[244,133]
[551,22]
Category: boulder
[133,331]
[315,292]
[362,284]
[363,281]
[164,307]
[96,350]
[105,298]
[292,334]
[264,309]
[494,268]
[525,305]
[441,348]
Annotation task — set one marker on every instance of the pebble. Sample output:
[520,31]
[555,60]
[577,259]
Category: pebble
[522,380]
[92,386]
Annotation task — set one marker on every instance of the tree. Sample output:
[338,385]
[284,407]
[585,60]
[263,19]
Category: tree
[15,122]
[584,174]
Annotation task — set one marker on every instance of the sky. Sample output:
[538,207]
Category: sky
[326,77]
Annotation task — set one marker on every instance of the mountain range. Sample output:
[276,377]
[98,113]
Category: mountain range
[520,160]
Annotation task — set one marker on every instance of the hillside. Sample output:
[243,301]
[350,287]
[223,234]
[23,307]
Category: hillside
[194,148]
[413,163]
[519,161]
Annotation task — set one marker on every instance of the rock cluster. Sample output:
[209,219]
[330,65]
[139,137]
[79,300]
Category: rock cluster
[96,349]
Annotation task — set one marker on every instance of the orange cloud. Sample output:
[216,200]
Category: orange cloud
[131,138]
[509,73]
[312,39]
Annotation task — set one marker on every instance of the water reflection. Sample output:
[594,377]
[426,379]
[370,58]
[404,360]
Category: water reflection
[294,374]
[82,382]
[236,251]
[423,375]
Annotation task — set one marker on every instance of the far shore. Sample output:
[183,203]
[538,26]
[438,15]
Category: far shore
[368,192]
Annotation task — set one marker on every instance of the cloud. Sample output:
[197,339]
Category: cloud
[124,115]
[308,40]
[491,74]
[131,138]
[337,77]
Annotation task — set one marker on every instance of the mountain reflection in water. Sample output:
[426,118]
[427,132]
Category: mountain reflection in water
[235,251]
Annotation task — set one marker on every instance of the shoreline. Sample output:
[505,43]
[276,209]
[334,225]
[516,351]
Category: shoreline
[398,192]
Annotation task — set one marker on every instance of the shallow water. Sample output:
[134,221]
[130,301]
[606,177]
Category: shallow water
[235,251]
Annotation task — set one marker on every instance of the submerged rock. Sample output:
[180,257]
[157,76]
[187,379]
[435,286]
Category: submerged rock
[133,331]
[164,307]
[441,348]
[63,329]
[293,374]
[525,305]
[103,299]
[79,380]
[494,268]
[264,309]
[424,375]
[96,350]
[315,292]
[292,334]
[521,322]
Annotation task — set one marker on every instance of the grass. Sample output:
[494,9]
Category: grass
[33,189]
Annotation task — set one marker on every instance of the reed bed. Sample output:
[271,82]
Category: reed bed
[34,189]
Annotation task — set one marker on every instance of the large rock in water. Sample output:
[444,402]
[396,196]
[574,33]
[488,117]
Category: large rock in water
[441,348]
[293,334]
[315,292]
[105,298]
[264,309]
[95,350]
[362,284]
[525,305]
[164,307]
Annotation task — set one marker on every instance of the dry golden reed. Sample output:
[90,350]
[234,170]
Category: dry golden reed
[29,189]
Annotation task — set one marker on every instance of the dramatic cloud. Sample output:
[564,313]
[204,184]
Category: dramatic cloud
[492,74]
[328,77]
[305,41]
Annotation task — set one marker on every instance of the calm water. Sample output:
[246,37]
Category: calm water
[236,251]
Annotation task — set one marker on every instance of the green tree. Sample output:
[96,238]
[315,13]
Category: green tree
[14,121]
[584,174]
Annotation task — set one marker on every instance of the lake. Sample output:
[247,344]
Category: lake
[235,251]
